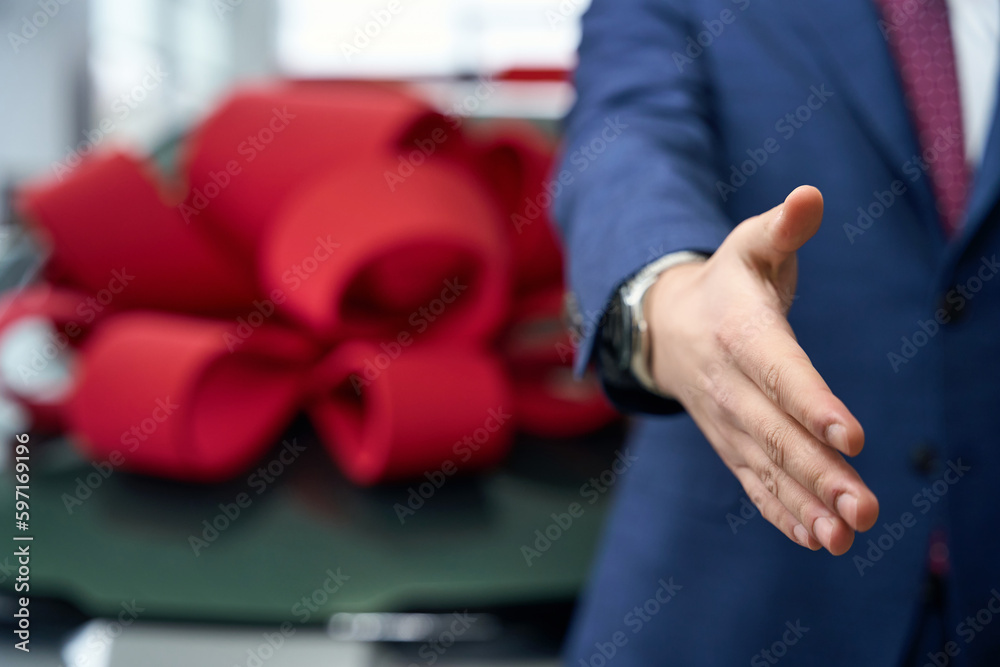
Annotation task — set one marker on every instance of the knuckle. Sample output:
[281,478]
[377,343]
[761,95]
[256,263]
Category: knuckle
[817,476]
[823,486]
[773,442]
[769,478]
[771,375]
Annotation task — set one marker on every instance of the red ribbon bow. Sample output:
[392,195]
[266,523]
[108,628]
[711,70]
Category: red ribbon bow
[341,250]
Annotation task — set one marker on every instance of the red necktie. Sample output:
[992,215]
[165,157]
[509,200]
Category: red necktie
[920,37]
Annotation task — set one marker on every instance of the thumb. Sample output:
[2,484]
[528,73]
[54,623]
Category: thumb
[770,239]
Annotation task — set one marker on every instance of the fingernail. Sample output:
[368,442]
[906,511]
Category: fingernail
[836,435]
[847,508]
[823,530]
[801,534]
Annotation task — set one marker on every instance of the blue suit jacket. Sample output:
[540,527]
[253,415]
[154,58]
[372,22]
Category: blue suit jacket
[693,115]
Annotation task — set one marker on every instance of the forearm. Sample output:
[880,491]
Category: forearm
[638,155]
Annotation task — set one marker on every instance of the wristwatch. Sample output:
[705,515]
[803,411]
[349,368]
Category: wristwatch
[624,351]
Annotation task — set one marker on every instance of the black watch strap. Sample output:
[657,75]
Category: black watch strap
[614,353]
[624,347]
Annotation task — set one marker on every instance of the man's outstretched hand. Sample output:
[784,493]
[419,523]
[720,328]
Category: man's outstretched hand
[722,345]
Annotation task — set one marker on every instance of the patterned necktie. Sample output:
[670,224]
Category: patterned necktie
[920,37]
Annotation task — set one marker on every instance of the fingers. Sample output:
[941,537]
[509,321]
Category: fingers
[834,486]
[763,481]
[773,510]
[783,372]
[812,480]
[803,476]
[770,239]
[824,526]
[798,219]
[753,391]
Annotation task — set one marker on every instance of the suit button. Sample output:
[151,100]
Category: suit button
[924,459]
[953,309]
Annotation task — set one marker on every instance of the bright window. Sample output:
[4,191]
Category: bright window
[389,38]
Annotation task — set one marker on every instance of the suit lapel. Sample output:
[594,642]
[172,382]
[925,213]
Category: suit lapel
[854,51]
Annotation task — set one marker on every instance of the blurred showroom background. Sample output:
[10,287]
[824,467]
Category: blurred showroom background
[287,557]
[95,51]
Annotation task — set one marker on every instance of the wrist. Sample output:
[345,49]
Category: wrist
[661,306]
